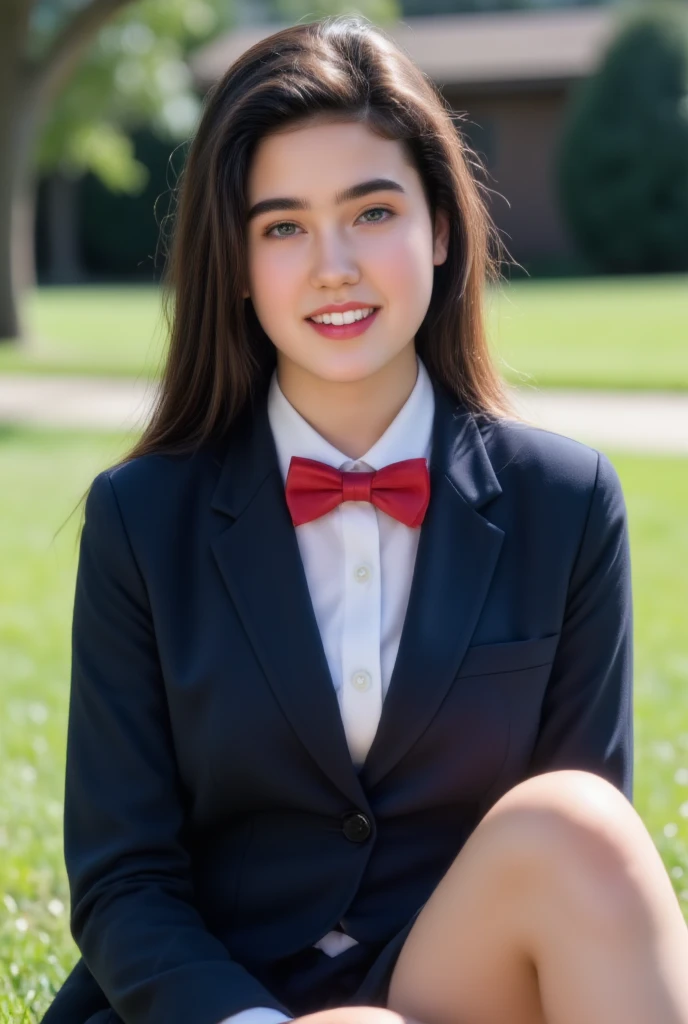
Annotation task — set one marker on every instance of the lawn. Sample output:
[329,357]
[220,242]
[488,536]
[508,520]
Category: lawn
[602,332]
[43,476]
[109,331]
[596,333]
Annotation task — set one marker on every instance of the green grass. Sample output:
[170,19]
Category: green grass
[599,333]
[43,475]
[618,333]
[104,331]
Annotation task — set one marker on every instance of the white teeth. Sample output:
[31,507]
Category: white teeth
[349,317]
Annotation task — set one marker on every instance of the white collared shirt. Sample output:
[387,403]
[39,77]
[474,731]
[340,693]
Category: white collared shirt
[359,565]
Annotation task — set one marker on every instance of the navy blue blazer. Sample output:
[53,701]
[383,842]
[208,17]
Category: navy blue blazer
[208,825]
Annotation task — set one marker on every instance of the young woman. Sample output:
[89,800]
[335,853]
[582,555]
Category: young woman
[350,729]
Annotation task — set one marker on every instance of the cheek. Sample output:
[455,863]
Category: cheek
[273,274]
[402,263]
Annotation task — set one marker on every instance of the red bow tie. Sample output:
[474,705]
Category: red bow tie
[402,489]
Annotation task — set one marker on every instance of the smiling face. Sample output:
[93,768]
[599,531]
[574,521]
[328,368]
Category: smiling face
[375,249]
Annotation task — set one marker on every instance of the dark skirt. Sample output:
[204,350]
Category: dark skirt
[360,976]
[305,982]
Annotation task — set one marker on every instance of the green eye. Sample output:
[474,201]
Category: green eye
[272,232]
[376,209]
[282,224]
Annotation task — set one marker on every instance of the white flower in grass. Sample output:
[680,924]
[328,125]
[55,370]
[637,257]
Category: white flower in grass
[664,750]
[10,903]
[38,713]
[27,773]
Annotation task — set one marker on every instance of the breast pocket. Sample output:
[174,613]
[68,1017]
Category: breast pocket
[512,677]
[489,714]
[510,656]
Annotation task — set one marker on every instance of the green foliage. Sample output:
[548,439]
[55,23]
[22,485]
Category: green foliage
[123,234]
[420,8]
[134,74]
[623,166]
[378,11]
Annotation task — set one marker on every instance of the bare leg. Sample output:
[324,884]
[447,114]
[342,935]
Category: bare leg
[558,910]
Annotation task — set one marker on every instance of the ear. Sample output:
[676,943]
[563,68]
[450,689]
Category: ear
[441,235]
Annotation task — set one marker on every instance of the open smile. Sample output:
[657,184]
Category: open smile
[343,331]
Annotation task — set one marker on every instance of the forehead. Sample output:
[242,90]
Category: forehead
[318,158]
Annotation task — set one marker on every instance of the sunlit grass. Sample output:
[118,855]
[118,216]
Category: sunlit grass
[101,331]
[43,475]
[618,333]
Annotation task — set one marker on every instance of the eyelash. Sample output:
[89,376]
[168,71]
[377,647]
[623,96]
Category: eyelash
[373,209]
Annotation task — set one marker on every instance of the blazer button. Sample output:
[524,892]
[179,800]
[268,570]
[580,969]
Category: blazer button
[356,827]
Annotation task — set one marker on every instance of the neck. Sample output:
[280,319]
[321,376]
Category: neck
[351,415]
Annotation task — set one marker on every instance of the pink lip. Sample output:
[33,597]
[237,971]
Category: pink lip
[343,331]
[343,307]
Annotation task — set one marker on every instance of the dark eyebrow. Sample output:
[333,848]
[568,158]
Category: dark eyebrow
[364,188]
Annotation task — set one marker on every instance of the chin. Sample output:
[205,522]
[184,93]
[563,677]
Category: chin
[349,372]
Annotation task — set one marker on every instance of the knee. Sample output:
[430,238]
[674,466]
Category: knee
[574,834]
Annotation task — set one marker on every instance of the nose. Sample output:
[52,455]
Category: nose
[333,262]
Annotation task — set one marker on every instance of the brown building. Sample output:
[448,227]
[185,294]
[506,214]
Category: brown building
[512,74]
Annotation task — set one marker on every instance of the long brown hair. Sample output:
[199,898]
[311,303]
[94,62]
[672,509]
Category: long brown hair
[335,67]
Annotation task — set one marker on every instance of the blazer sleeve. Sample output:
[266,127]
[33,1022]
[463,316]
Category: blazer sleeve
[587,714]
[132,902]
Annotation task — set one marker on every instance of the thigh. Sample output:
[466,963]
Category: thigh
[463,961]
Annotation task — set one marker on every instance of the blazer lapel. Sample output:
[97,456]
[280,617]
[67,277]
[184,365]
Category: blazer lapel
[456,558]
[260,562]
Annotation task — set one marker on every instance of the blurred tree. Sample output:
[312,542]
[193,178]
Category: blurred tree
[118,233]
[418,8]
[76,77]
[623,160]
[379,11]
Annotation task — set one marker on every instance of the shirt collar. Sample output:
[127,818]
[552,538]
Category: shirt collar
[409,435]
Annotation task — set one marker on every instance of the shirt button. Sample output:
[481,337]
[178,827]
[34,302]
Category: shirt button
[361,680]
[362,573]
